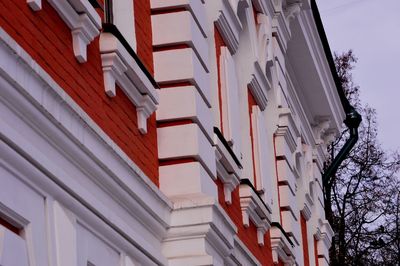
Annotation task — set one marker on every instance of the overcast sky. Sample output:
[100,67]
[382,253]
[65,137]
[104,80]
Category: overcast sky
[372,29]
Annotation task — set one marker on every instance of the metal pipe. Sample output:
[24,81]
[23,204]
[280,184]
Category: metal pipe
[352,121]
[353,118]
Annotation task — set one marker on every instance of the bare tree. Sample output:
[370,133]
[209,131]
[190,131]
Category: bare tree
[362,199]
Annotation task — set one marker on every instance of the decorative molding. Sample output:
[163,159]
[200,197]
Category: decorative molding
[227,171]
[198,222]
[288,128]
[264,40]
[227,168]
[229,26]
[292,10]
[324,232]
[80,17]
[119,68]
[35,5]
[281,248]
[264,7]
[280,31]
[306,211]
[322,125]
[259,85]
[241,255]
[253,209]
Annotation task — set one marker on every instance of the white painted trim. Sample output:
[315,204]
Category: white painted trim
[119,67]
[324,232]
[242,255]
[35,5]
[309,29]
[253,209]
[28,170]
[230,101]
[259,85]
[266,7]
[80,17]
[229,26]
[203,228]
[227,170]
[281,248]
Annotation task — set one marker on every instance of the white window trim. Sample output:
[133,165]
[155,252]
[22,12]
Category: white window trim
[229,26]
[81,18]
[120,68]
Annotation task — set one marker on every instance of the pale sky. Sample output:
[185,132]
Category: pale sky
[372,29]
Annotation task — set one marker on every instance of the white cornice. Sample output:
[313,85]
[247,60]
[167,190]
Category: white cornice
[299,109]
[81,18]
[119,67]
[229,26]
[312,37]
[303,112]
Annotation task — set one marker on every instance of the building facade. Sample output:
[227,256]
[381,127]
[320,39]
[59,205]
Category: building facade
[164,132]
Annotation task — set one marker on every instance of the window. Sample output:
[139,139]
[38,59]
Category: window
[13,250]
[230,101]
[123,18]
[263,155]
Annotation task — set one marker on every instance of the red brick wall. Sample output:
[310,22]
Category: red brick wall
[48,41]
[305,240]
[144,33]
[316,252]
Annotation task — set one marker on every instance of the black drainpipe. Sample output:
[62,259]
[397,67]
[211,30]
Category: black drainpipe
[353,118]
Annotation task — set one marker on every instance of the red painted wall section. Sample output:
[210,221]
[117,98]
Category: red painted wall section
[144,38]
[316,252]
[305,240]
[247,235]
[47,39]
